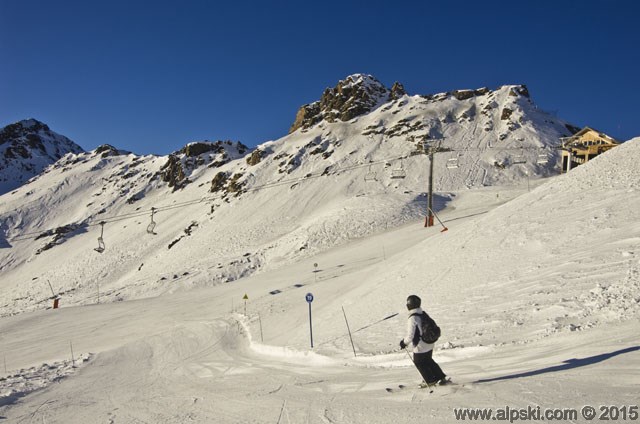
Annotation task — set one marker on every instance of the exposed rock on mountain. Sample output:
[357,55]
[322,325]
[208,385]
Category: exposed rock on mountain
[181,164]
[255,157]
[26,149]
[107,150]
[354,96]
[173,173]
[397,91]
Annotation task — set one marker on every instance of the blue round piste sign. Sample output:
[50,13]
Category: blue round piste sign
[309,297]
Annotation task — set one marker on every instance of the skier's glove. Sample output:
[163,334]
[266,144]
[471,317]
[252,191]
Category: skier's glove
[402,345]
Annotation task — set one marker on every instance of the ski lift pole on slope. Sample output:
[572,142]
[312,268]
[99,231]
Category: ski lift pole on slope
[444,228]
[56,298]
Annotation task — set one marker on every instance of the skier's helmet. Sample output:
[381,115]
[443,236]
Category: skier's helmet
[413,302]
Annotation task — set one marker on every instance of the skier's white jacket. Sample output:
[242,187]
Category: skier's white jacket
[413,333]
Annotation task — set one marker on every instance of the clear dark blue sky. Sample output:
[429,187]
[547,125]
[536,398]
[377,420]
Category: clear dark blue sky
[150,76]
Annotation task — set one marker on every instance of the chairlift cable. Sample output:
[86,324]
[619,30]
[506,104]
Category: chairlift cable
[137,214]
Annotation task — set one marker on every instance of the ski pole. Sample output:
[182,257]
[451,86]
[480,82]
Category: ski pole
[414,363]
[409,355]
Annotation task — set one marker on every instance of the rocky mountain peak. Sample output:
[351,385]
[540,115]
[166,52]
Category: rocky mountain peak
[356,95]
[26,148]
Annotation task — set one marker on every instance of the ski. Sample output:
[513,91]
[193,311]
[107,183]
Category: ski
[395,389]
[423,385]
[401,387]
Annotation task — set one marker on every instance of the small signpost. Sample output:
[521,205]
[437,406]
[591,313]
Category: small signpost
[309,298]
[245,298]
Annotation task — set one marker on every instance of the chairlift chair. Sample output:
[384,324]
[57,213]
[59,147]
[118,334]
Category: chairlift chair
[398,172]
[101,245]
[519,158]
[452,163]
[542,159]
[370,175]
[152,224]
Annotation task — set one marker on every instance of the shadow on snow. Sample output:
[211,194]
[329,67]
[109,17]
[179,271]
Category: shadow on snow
[566,365]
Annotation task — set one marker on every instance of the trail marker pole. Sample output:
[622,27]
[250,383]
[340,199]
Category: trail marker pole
[245,298]
[5,364]
[309,298]
[73,361]
[349,330]
[261,335]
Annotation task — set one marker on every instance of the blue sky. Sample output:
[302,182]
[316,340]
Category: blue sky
[150,76]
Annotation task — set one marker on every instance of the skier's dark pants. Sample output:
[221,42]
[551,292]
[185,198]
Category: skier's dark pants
[428,368]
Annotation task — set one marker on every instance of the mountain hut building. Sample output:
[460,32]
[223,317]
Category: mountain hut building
[583,146]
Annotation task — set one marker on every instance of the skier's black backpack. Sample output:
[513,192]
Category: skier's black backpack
[429,330]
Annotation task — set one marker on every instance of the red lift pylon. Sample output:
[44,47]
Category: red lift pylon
[430,221]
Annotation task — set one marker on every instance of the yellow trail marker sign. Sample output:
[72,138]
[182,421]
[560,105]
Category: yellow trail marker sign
[245,303]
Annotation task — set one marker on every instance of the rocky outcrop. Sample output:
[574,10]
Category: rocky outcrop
[199,148]
[58,236]
[397,91]
[181,164]
[219,182]
[255,157]
[107,150]
[519,90]
[225,184]
[354,96]
[26,149]
[173,173]
[506,114]
[463,94]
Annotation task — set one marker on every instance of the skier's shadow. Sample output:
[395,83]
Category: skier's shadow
[566,365]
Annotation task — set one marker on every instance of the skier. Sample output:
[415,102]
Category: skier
[422,351]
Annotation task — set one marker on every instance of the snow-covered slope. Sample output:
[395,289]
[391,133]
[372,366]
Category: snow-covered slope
[221,212]
[26,149]
[537,298]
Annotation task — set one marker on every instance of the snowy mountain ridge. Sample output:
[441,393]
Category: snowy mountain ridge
[215,212]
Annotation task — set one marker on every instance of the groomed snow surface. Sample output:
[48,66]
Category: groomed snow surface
[537,293]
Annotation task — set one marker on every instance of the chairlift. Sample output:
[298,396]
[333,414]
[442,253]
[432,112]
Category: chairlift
[452,163]
[519,158]
[398,172]
[370,175]
[542,159]
[152,224]
[101,245]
